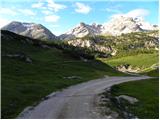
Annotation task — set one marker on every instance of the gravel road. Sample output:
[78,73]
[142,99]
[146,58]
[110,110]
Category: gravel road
[75,102]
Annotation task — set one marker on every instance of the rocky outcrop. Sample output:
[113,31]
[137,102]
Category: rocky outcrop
[90,44]
[152,44]
[127,68]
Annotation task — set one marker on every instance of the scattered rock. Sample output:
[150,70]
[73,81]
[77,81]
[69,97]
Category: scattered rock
[28,60]
[83,59]
[127,68]
[115,106]
[72,77]
[20,56]
[130,99]
[45,46]
[114,114]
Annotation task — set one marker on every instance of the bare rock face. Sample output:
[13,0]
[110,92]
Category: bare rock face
[116,26]
[120,25]
[86,43]
[82,30]
[145,25]
[123,24]
[127,68]
[32,30]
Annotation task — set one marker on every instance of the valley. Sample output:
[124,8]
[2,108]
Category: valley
[89,58]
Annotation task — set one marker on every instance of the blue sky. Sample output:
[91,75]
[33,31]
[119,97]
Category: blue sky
[61,15]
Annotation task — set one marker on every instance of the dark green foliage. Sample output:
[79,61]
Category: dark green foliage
[129,44]
[154,73]
[77,51]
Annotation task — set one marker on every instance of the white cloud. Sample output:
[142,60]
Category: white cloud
[37,5]
[14,11]
[134,13]
[52,18]
[113,10]
[138,13]
[46,12]
[4,22]
[82,8]
[7,11]
[27,12]
[55,6]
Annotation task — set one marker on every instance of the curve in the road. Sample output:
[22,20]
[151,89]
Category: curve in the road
[74,102]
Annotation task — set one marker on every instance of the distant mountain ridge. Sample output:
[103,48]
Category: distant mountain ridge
[116,26]
[32,30]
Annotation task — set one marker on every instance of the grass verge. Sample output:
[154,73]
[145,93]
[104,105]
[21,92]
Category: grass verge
[146,91]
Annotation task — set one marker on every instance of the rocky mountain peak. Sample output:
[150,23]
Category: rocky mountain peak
[116,26]
[82,24]
[82,30]
[123,24]
[36,31]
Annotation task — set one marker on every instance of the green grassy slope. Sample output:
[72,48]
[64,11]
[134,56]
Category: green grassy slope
[26,83]
[146,91]
[140,60]
[153,73]
[137,49]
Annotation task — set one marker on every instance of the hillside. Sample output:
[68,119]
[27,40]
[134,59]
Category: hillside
[136,41]
[32,70]
[131,52]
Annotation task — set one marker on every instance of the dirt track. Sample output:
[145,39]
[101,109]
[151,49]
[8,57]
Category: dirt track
[74,102]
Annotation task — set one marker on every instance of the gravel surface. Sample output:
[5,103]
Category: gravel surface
[76,102]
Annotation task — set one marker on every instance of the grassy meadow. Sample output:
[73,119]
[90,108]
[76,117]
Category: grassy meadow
[142,61]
